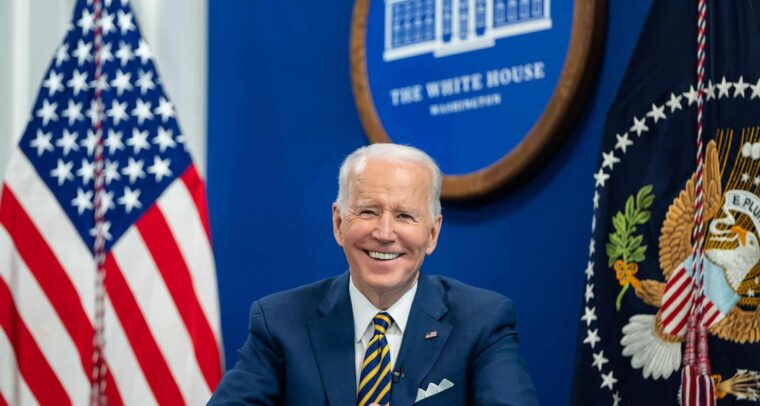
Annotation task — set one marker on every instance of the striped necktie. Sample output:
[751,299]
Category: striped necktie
[375,379]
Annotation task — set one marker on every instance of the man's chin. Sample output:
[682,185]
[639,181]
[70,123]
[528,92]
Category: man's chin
[388,283]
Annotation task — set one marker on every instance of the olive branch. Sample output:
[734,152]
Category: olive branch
[624,248]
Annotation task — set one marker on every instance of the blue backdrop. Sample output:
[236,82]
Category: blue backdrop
[282,118]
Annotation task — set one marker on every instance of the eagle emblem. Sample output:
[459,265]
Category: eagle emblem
[731,269]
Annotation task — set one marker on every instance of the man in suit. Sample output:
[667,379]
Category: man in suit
[383,332]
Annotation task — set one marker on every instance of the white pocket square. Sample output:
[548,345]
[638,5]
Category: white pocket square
[432,389]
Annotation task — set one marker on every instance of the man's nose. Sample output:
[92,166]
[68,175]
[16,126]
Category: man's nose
[384,228]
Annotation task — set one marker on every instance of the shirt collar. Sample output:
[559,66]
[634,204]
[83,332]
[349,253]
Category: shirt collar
[364,310]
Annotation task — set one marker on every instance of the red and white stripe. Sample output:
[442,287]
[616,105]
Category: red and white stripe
[13,387]
[676,304]
[161,309]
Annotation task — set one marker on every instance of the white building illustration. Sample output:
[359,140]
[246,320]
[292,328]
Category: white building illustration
[447,27]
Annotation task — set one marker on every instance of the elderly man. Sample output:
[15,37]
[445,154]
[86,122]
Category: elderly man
[383,332]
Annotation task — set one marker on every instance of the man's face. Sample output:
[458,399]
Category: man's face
[386,230]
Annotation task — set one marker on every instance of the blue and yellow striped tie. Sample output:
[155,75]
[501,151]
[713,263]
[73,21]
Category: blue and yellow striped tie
[375,379]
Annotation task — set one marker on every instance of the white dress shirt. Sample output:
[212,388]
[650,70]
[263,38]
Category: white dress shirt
[364,328]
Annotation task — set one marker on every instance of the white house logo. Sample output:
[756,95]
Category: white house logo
[448,27]
[484,116]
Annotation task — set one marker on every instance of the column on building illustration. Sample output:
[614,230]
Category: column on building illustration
[471,17]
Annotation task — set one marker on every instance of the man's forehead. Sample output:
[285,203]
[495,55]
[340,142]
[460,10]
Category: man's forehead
[401,183]
[371,166]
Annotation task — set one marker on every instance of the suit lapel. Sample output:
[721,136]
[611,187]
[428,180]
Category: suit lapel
[418,354]
[333,345]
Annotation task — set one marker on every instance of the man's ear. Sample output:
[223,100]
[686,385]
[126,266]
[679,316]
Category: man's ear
[434,232]
[337,220]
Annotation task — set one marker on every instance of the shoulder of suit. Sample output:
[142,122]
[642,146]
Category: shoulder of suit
[312,292]
[454,289]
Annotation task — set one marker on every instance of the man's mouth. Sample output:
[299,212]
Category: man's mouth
[382,256]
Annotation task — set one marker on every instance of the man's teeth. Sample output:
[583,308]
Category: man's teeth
[382,255]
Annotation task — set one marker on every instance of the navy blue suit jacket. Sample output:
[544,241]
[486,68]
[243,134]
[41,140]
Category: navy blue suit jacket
[300,349]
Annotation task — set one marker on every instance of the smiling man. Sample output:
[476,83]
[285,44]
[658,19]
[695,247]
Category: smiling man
[383,332]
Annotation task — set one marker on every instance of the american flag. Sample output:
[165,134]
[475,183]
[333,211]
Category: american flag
[160,319]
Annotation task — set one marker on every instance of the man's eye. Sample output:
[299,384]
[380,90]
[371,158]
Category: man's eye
[367,212]
[405,216]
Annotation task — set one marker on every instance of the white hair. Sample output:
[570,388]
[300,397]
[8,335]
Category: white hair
[354,164]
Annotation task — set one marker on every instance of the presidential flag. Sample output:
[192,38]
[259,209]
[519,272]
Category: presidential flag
[101,183]
[640,273]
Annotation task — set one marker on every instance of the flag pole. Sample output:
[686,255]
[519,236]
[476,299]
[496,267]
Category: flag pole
[98,385]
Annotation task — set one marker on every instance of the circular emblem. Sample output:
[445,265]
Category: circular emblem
[649,258]
[486,87]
